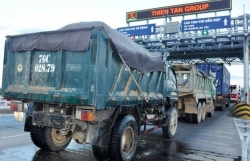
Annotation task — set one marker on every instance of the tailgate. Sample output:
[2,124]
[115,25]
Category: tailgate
[47,76]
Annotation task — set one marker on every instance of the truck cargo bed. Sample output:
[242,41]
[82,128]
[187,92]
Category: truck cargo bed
[86,64]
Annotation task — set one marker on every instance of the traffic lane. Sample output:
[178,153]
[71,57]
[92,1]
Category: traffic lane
[20,147]
[217,134]
[150,147]
[12,133]
[214,139]
[32,153]
[186,148]
[10,127]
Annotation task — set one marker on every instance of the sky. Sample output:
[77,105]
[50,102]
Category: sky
[27,16]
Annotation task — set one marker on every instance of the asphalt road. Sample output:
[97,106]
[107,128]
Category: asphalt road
[214,139]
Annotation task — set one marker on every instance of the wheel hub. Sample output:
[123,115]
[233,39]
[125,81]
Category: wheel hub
[173,123]
[58,137]
[127,140]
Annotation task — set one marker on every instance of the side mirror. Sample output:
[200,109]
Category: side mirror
[215,82]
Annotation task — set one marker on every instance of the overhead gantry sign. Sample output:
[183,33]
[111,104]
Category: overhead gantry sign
[178,10]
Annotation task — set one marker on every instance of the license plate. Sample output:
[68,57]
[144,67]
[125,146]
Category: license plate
[18,116]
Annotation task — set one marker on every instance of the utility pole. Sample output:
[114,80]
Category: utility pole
[246,60]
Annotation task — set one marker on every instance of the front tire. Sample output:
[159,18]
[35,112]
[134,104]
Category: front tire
[170,130]
[124,139]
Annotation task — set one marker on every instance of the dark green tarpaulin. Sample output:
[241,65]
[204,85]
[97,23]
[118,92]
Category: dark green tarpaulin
[76,37]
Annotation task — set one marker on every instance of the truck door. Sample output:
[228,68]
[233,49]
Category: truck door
[171,82]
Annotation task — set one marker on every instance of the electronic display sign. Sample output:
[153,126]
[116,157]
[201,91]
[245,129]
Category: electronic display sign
[179,10]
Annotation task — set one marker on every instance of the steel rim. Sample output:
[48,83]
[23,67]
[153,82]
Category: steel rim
[127,141]
[173,123]
[204,111]
[57,137]
[199,113]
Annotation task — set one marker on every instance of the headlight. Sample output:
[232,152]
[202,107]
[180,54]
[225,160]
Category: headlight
[51,110]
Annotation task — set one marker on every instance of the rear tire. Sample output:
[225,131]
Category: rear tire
[51,139]
[124,139]
[219,108]
[211,114]
[100,153]
[188,117]
[197,117]
[37,140]
[169,131]
[55,140]
[204,111]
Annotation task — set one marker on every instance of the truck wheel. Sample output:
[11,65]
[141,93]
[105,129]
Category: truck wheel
[170,130]
[100,153]
[210,114]
[54,140]
[124,138]
[188,117]
[37,140]
[204,111]
[197,117]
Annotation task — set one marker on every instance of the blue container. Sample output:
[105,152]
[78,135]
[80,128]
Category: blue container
[220,72]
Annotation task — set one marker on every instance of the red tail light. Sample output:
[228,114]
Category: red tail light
[16,106]
[233,95]
[85,115]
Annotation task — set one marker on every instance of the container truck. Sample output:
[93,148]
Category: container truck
[222,75]
[235,93]
[91,83]
[196,95]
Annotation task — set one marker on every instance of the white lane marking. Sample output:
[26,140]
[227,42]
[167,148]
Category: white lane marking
[1,138]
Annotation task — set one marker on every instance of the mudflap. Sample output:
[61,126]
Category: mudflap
[28,126]
[168,113]
[99,133]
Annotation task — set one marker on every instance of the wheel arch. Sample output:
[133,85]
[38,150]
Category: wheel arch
[104,132]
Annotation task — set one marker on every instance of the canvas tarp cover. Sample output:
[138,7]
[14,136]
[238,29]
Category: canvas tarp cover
[76,37]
